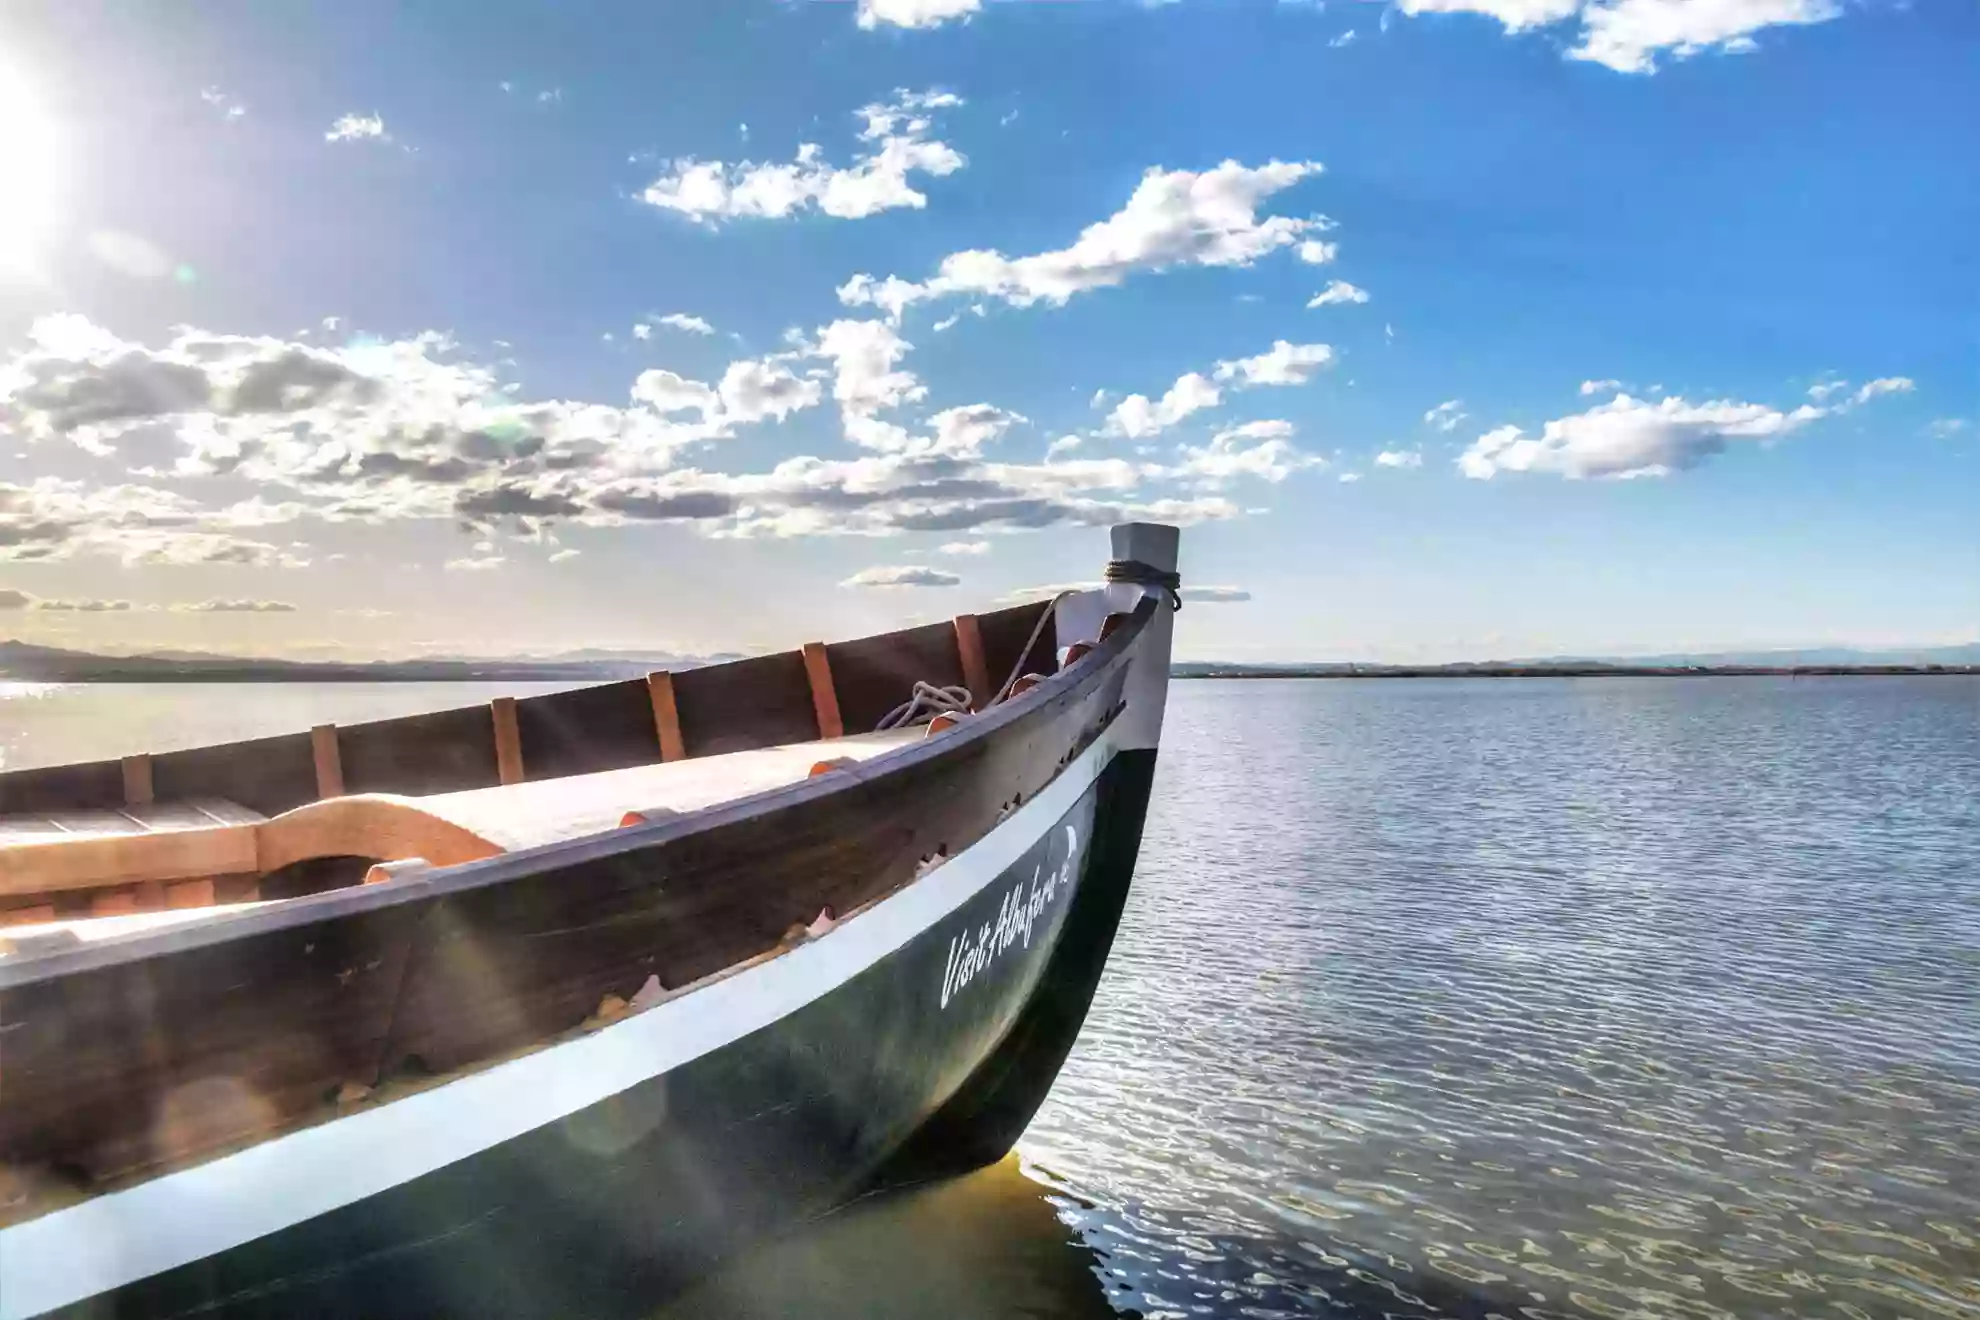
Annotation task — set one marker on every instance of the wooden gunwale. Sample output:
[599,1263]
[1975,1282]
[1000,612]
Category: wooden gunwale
[1049,694]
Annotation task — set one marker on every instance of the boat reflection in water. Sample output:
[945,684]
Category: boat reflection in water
[988,1244]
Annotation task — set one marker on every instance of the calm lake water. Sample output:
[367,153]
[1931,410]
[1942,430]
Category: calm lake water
[1615,998]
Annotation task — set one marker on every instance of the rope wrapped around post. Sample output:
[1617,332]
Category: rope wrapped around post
[1136,573]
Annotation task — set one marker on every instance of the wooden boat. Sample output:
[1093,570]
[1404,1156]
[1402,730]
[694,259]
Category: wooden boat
[543,1007]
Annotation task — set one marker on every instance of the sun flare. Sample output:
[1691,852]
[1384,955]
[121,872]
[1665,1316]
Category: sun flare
[30,178]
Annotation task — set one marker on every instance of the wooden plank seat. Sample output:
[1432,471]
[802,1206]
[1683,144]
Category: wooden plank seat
[45,860]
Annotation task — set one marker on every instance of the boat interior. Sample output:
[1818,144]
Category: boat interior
[105,848]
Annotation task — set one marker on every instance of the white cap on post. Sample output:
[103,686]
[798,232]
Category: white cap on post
[1153,544]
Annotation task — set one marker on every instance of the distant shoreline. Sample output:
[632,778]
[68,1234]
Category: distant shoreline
[1576,671]
[576,676]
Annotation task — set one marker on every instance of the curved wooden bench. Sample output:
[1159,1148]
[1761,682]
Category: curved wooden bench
[445,829]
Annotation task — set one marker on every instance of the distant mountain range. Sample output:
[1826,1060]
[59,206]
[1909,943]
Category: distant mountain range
[25,661]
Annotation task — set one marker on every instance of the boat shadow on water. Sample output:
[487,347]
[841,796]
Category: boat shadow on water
[1002,1243]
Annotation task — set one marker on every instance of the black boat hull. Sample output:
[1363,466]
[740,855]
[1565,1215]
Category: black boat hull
[916,1039]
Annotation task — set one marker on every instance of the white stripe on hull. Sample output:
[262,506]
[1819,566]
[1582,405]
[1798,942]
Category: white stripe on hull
[118,1238]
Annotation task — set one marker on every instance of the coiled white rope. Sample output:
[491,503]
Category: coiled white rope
[927,702]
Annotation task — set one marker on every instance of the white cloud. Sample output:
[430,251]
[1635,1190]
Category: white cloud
[902,575]
[1399,458]
[1348,478]
[1883,385]
[357,128]
[641,330]
[1282,364]
[1629,437]
[1212,595]
[1446,415]
[237,607]
[964,548]
[1628,35]
[914,13]
[1135,417]
[11,599]
[1065,444]
[1516,15]
[1945,428]
[1589,387]
[1315,252]
[1345,39]
[1174,218]
[1256,449]
[377,432]
[565,554]
[474,564]
[694,325]
[864,356]
[897,145]
[667,392]
[1337,292]
[947,322]
[752,391]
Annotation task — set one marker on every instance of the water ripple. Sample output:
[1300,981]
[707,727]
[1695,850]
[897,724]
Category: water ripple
[1606,998]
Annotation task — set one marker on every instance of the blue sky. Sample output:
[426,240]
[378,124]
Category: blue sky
[1538,326]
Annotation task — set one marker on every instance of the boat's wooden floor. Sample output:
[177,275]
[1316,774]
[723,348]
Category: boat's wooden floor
[180,848]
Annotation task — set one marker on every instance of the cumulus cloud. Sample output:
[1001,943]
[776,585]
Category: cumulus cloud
[1446,415]
[474,563]
[1589,387]
[1174,218]
[1214,595]
[694,325]
[914,13]
[964,548]
[1399,458]
[1629,35]
[1135,417]
[902,575]
[243,606]
[1336,293]
[357,128]
[1629,437]
[751,391]
[896,145]
[1262,449]
[1282,364]
[1315,252]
